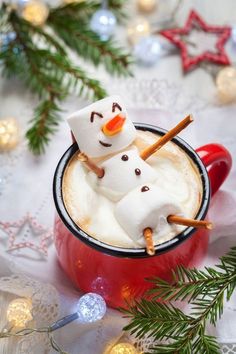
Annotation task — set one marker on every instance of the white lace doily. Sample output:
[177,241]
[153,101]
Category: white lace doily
[157,94]
[45,310]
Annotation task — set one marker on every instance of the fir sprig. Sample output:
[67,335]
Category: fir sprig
[82,11]
[77,35]
[40,60]
[88,45]
[44,124]
[205,292]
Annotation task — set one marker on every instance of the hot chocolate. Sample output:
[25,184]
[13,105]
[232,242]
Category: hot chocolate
[133,192]
[129,191]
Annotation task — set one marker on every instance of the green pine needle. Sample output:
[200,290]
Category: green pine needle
[88,45]
[170,321]
[82,11]
[204,290]
[43,125]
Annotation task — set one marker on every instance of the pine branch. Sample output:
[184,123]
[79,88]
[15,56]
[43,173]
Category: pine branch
[117,6]
[187,285]
[201,288]
[78,10]
[87,84]
[43,125]
[46,71]
[202,345]
[88,45]
[159,320]
[40,60]
[44,37]
[83,10]
[27,61]
[205,291]
[46,114]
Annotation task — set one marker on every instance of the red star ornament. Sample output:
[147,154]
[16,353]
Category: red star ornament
[194,21]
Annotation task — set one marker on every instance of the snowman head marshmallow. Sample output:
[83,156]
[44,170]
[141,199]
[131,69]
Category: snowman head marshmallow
[103,127]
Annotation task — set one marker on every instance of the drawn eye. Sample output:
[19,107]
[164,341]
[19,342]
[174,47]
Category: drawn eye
[116,105]
[93,114]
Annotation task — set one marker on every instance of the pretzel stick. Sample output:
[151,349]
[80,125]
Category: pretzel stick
[99,171]
[146,153]
[147,233]
[199,224]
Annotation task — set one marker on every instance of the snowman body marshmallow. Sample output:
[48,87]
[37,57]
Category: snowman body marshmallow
[122,173]
[146,206]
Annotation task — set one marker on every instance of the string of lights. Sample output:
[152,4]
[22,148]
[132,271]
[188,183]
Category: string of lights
[90,308]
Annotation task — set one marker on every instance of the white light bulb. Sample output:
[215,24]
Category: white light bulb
[35,12]
[19,312]
[226,84]
[137,29]
[91,308]
[9,134]
[147,5]
[123,348]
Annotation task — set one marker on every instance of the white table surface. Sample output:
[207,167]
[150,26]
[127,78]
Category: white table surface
[28,188]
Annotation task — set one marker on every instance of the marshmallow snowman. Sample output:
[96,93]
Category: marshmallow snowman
[146,206]
[123,172]
[103,127]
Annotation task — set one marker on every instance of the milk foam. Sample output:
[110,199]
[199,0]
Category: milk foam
[95,213]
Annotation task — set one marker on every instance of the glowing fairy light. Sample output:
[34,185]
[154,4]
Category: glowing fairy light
[91,307]
[19,312]
[123,348]
[35,12]
[9,134]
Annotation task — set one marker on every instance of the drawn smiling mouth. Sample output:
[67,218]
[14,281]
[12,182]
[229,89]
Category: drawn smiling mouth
[104,144]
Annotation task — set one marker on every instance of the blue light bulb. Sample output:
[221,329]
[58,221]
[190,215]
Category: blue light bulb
[233,34]
[103,22]
[148,50]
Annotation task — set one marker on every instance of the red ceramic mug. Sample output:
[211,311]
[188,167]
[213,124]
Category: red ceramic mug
[119,274]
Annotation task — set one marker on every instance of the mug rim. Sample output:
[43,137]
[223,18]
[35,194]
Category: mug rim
[121,251]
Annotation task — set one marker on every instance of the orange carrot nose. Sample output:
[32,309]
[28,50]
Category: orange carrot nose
[114,126]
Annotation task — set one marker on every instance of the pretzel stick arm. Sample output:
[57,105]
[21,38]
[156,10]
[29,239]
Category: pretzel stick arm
[148,235]
[146,153]
[99,171]
[199,224]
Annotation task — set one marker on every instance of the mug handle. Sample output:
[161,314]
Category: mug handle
[218,162]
